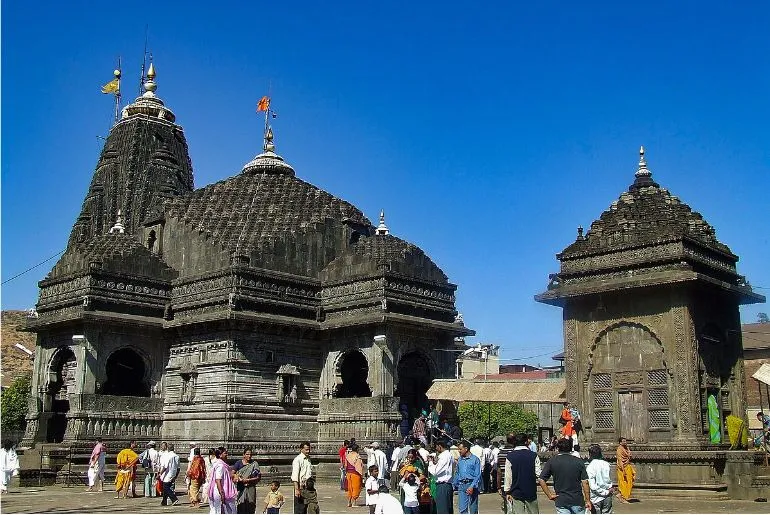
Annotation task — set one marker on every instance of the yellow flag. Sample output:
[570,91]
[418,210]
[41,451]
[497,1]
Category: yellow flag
[111,87]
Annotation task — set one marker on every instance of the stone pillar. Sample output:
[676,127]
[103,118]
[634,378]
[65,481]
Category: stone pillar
[379,358]
[686,376]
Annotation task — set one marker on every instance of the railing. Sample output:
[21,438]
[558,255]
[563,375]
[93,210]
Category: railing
[97,403]
[355,405]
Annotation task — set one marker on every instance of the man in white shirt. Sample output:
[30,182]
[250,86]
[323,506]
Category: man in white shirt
[599,481]
[372,488]
[395,459]
[375,456]
[169,469]
[494,452]
[153,458]
[486,471]
[440,467]
[386,503]
[522,467]
[301,471]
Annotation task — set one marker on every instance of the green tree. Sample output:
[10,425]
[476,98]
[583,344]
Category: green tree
[481,419]
[13,404]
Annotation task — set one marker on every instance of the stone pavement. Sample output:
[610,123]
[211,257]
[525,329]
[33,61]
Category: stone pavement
[60,499]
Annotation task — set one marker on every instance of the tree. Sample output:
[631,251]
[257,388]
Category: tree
[482,419]
[762,318]
[13,404]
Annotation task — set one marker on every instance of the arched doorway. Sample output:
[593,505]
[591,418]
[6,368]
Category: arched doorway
[414,379]
[61,382]
[353,371]
[126,374]
[629,385]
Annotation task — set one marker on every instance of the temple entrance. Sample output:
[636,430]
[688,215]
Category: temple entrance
[414,379]
[633,416]
[353,370]
[125,374]
[60,384]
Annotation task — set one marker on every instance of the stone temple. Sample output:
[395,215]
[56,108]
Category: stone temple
[650,302]
[258,310]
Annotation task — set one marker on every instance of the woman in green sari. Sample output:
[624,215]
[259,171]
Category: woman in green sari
[715,427]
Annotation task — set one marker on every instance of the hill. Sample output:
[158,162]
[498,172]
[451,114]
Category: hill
[14,362]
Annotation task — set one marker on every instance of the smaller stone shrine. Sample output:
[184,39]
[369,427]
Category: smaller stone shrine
[652,330]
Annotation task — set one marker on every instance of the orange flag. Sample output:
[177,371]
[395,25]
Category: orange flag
[263,104]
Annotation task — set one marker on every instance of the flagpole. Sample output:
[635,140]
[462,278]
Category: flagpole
[267,111]
[144,62]
[117,93]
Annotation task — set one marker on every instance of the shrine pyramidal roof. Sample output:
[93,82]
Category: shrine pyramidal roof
[114,252]
[645,214]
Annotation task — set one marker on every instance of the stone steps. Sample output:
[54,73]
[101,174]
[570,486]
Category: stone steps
[707,492]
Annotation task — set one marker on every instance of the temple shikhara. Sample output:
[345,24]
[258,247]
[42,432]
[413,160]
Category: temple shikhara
[652,334]
[258,310]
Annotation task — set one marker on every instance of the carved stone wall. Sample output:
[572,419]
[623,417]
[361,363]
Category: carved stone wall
[661,313]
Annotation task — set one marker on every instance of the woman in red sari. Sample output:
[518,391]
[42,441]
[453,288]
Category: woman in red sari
[354,471]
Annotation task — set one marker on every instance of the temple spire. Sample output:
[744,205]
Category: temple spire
[382,229]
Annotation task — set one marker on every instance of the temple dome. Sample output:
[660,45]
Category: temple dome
[645,214]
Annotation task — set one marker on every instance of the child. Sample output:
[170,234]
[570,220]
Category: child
[310,497]
[409,487]
[274,499]
[372,487]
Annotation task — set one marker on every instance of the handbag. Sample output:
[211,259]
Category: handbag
[159,486]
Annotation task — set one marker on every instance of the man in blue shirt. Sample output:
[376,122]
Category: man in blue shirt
[467,479]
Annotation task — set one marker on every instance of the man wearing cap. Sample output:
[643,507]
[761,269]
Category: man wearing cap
[150,457]
[377,457]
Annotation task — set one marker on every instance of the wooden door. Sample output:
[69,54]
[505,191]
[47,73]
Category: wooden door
[633,416]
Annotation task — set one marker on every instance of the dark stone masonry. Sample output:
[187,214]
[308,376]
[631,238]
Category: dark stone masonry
[259,310]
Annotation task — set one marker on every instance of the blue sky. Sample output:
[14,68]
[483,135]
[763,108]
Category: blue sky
[488,133]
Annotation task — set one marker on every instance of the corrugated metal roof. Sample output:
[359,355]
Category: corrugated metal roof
[543,390]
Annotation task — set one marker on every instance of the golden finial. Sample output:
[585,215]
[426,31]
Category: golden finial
[151,71]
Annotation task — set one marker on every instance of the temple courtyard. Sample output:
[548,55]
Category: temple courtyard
[73,499]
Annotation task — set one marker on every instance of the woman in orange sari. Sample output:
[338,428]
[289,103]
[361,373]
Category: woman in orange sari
[626,472]
[566,418]
[354,472]
[126,461]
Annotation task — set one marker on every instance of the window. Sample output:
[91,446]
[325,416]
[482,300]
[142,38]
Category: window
[604,414]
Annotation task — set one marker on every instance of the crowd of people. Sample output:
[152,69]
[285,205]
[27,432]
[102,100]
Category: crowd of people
[579,486]
[209,479]
[424,470]
[424,475]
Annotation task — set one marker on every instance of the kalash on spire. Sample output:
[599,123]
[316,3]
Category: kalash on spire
[268,160]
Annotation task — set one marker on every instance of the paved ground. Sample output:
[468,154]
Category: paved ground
[59,499]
